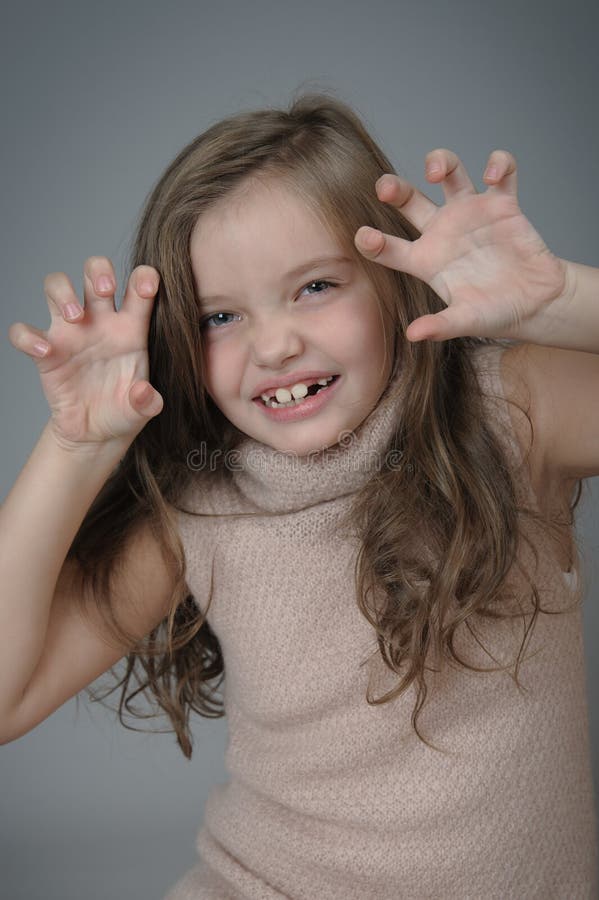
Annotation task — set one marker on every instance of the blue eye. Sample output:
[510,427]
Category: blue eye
[214,318]
[328,283]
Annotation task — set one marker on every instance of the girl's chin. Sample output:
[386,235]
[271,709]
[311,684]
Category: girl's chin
[299,445]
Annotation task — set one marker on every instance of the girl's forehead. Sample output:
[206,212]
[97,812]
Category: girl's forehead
[263,212]
[255,199]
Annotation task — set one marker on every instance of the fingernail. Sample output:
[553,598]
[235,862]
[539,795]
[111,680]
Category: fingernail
[382,181]
[72,311]
[371,237]
[491,172]
[41,348]
[104,283]
[433,169]
[145,394]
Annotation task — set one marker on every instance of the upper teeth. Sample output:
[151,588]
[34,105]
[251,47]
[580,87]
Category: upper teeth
[296,393]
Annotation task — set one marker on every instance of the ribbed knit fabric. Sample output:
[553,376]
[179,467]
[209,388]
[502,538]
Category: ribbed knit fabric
[331,798]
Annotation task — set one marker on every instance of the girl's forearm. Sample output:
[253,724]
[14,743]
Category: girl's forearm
[38,521]
[572,320]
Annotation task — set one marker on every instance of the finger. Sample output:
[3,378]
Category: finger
[29,340]
[413,204]
[500,173]
[442,326]
[142,287]
[387,249]
[446,168]
[62,300]
[99,284]
[145,400]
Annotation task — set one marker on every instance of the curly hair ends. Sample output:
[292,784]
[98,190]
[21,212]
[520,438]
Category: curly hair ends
[454,486]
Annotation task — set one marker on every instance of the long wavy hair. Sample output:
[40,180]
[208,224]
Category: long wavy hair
[454,484]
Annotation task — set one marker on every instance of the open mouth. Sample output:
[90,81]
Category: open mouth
[282,397]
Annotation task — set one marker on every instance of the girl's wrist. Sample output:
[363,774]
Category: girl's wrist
[571,321]
[110,451]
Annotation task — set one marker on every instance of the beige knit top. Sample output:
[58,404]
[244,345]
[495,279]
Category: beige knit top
[330,798]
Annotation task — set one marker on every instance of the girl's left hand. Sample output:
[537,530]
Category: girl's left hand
[478,252]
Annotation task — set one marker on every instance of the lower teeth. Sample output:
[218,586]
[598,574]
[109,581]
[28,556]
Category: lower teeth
[273,404]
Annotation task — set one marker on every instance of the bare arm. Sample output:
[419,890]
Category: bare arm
[38,522]
[77,648]
[94,375]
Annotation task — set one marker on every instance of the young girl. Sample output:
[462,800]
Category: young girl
[326,455]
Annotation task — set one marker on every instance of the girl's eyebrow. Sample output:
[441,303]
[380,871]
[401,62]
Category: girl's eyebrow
[313,263]
[292,273]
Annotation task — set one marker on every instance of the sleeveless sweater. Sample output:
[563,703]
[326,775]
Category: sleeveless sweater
[332,798]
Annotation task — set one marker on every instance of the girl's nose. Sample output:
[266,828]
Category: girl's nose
[275,341]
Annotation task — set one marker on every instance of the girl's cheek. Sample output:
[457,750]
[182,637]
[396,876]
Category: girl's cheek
[224,360]
[210,363]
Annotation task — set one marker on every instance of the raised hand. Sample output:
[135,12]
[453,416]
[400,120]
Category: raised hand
[478,252]
[93,360]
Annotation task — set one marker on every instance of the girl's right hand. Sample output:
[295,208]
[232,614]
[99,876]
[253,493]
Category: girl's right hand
[94,373]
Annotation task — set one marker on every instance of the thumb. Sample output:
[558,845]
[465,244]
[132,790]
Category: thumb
[442,326]
[387,249]
[145,400]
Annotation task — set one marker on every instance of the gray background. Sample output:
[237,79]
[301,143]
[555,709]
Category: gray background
[97,99]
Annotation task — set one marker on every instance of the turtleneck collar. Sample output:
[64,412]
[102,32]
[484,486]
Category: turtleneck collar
[276,481]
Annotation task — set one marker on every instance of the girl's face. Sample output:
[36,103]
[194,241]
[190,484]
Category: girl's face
[281,307]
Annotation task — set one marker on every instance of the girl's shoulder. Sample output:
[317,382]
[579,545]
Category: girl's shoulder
[517,378]
[558,389]
[504,371]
